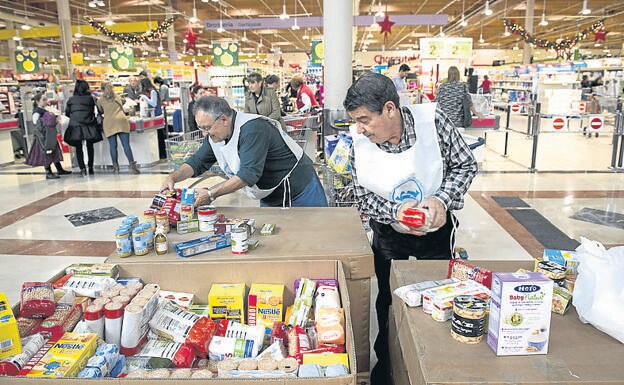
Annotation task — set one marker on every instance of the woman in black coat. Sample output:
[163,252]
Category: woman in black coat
[80,109]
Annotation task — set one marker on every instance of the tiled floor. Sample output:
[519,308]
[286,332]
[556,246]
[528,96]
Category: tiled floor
[36,240]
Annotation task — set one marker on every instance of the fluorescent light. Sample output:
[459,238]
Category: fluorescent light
[481,39]
[220,29]
[295,27]
[244,38]
[585,10]
[463,22]
[543,22]
[26,26]
[17,38]
[284,15]
[19,47]
[109,21]
[194,19]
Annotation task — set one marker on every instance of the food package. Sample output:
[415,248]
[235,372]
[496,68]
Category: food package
[463,271]
[9,333]
[104,360]
[64,319]
[339,159]
[135,363]
[184,300]
[438,301]
[100,269]
[27,326]
[180,355]
[561,300]
[227,301]
[224,347]
[136,317]
[325,359]
[330,326]
[298,341]
[11,366]
[67,357]
[37,300]
[88,286]
[202,245]
[303,302]
[412,294]
[417,218]
[265,306]
[568,259]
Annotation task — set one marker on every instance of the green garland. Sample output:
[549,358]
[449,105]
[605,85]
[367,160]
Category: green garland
[132,38]
[564,44]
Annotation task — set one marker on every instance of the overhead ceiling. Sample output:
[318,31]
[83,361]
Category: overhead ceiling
[564,20]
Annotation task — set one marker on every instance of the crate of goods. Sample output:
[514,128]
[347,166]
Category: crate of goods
[182,147]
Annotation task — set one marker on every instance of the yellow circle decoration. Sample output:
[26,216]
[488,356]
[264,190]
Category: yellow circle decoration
[128,51]
[218,51]
[33,54]
[227,59]
[19,57]
[233,47]
[29,65]
[114,55]
[123,63]
[320,50]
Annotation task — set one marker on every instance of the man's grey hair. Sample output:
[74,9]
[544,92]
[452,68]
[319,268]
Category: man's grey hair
[373,91]
[213,106]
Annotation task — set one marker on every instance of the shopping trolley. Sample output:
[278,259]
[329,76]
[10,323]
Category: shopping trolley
[304,130]
[181,147]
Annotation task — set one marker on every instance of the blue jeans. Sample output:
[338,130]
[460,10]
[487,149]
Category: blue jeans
[312,195]
[125,142]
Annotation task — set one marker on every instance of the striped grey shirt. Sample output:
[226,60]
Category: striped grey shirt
[449,99]
[459,167]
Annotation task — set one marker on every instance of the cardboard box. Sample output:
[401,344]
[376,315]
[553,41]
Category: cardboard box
[227,301]
[199,277]
[67,357]
[9,335]
[432,356]
[265,304]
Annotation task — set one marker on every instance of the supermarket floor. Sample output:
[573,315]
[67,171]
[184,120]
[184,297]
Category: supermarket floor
[510,214]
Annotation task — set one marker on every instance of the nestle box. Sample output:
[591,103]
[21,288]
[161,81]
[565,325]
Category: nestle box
[520,308]
[198,277]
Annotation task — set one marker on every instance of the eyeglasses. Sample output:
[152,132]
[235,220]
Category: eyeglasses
[207,128]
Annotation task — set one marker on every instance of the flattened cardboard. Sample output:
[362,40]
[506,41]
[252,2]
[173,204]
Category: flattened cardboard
[302,233]
[198,277]
[578,353]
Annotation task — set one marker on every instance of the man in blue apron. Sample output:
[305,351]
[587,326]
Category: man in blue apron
[403,157]
[255,154]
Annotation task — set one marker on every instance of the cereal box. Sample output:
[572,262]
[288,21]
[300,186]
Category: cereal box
[265,304]
[562,257]
[184,300]
[67,357]
[9,336]
[520,310]
[227,301]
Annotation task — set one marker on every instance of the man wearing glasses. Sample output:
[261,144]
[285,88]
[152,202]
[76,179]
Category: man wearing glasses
[255,154]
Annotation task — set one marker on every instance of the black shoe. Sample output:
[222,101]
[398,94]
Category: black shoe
[63,172]
[91,171]
[51,175]
[83,172]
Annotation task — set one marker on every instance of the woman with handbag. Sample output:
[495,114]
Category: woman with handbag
[115,125]
[83,125]
[454,99]
[45,149]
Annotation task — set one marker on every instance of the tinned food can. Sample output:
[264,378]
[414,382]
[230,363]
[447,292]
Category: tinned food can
[149,216]
[123,242]
[239,241]
[468,321]
[139,240]
[162,219]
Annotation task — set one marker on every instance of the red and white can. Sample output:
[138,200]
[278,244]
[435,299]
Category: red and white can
[94,317]
[113,319]
[239,241]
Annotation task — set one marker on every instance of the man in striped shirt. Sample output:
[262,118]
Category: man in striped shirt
[404,157]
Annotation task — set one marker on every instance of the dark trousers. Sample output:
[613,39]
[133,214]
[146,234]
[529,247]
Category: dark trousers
[389,244]
[80,155]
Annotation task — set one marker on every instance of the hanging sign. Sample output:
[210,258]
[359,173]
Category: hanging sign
[446,48]
[225,54]
[122,58]
[596,123]
[318,51]
[515,108]
[27,61]
[77,58]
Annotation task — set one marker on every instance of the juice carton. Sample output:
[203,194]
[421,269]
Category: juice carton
[227,301]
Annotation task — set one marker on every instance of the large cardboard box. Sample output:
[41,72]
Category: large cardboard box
[578,353]
[198,277]
[302,233]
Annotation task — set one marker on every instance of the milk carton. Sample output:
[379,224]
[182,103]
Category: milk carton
[520,311]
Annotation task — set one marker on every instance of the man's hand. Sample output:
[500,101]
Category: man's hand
[202,197]
[401,214]
[437,212]
[168,184]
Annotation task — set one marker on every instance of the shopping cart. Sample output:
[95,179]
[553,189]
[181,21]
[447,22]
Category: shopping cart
[181,147]
[303,129]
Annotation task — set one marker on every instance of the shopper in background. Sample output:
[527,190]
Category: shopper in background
[399,78]
[255,154]
[262,100]
[45,149]
[432,168]
[196,92]
[272,81]
[305,95]
[585,82]
[163,89]
[486,84]
[597,82]
[115,125]
[80,109]
[132,88]
[152,98]
[451,95]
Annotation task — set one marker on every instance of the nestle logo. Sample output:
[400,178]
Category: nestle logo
[269,311]
[527,288]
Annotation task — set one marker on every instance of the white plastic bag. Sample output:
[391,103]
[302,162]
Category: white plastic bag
[63,123]
[599,288]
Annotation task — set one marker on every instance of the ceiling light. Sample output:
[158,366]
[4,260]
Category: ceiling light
[487,11]
[284,15]
[19,47]
[244,38]
[369,35]
[481,39]
[597,44]
[543,22]
[102,54]
[463,21]
[374,23]
[442,34]
[515,48]
[585,10]
[220,29]
[160,46]
[109,21]
[61,56]
[92,4]
[506,33]
[260,43]
[380,13]
[17,38]
[305,36]
[163,55]
[295,27]
[26,26]
[194,19]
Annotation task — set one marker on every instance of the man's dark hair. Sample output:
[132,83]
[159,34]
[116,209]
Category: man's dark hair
[404,67]
[212,106]
[271,79]
[159,80]
[81,88]
[371,90]
[254,77]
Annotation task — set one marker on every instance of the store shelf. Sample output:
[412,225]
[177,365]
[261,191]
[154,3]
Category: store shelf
[512,88]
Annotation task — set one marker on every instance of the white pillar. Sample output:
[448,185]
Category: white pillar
[64,18]
[528,26]
[337,37]
[11,43]
[170,37]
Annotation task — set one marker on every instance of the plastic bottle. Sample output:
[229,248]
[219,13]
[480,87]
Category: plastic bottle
[160,241]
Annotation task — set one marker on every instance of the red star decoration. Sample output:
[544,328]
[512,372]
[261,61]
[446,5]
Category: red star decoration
[600,34]
[386,25]
[191,37]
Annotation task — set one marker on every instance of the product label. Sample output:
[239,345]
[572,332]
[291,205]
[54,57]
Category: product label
[467,327]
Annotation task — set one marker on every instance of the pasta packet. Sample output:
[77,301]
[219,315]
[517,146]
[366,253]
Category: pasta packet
[37,300]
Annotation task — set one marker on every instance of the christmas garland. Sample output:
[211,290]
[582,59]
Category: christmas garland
[564,44]
[132,38]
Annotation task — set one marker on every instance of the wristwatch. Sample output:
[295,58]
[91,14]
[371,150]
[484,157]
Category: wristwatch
[212,197]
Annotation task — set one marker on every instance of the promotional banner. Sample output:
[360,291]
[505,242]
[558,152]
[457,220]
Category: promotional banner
[27,61]
[122,58]
[225,54]
[318,51]
[77,58]
[446,48]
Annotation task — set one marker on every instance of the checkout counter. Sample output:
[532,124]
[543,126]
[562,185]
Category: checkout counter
[6,144]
